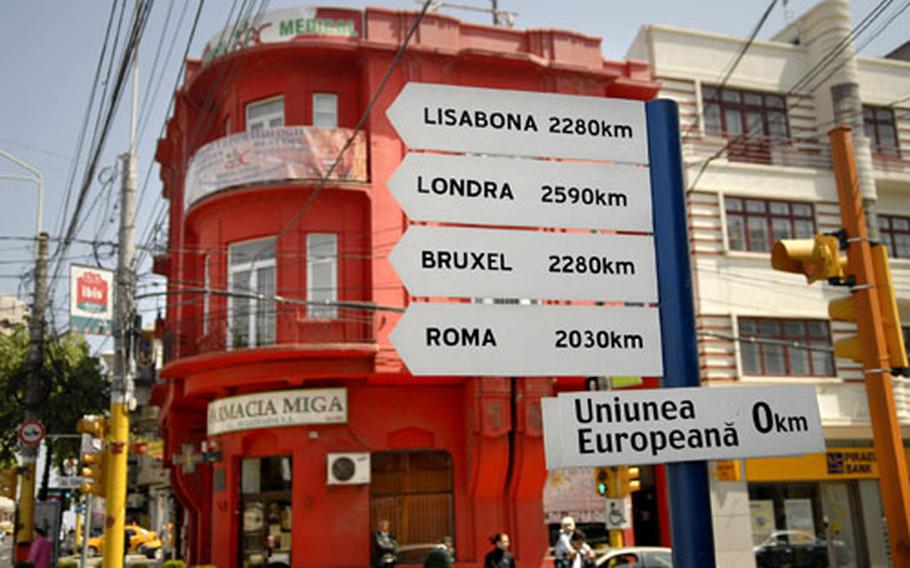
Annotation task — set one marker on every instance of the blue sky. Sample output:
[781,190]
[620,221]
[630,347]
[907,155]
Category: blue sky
[51,49]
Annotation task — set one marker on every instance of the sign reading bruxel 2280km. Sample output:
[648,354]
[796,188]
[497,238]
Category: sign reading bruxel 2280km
[591,193]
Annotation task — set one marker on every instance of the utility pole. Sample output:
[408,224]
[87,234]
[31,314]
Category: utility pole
[33,396]
[121,386]
[886,433]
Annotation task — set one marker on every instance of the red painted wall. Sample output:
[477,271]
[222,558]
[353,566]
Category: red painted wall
[490,426]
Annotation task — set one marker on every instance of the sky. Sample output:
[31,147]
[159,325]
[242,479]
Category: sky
[51,49]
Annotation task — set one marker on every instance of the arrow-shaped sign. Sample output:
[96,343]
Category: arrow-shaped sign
[495,263]
[522,192]
[497,121]
[536,340]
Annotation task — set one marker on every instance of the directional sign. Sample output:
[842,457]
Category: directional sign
[523,193]
[31,432]
[535,340]
[601,428]
[493,263]
[495,121]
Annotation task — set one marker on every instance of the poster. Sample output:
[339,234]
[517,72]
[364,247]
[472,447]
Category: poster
[91,300]
[800,520]
[762,515]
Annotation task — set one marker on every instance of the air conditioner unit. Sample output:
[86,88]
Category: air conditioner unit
[348,468]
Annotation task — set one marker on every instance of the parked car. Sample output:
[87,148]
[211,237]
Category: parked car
[798,549]
[637,557]
[142,541]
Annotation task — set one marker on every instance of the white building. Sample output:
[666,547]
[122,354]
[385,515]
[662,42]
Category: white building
[772,178]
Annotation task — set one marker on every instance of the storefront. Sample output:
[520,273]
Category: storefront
[817,506]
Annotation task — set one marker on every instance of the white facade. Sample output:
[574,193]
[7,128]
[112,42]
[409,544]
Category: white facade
[735,285]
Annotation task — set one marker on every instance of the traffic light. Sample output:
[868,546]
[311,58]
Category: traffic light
[603,480]
[817,258]
[94,463]
[94,467]
[629,480]
[9,481]
[844,309]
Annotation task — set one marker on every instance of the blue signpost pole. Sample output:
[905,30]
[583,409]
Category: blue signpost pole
[690,499]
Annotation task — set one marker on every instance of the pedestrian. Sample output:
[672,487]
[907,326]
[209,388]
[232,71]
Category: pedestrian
[499,557]
[442,555]
[39,554]
[385,547]
[563,548]
[582,555]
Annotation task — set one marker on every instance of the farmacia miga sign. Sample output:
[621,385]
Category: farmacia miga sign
[278,408]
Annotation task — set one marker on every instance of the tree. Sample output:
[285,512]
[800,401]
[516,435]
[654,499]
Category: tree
[73,385]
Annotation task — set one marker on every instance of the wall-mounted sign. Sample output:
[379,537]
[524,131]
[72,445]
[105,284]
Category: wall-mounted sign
[272,155]
[91,300]
[604,428]
[285,25]
[278,408]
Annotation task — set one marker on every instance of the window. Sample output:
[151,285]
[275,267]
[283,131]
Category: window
[895,233]
[785,347]
[325,110]
[265,494]
[206,296]
[751,120]
[265,114]
[413,491]
[754,224]
[251,271]
[322,275]
[880,129]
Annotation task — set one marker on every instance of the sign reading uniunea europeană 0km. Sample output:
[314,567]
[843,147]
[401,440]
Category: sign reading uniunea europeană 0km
[495,263]
[603,428]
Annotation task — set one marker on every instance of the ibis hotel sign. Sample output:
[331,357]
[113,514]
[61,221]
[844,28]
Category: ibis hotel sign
[278,408]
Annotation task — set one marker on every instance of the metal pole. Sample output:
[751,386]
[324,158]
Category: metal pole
[33,391]
[39,214]
[86,530]
[121,387]
[886,432]
[690,497]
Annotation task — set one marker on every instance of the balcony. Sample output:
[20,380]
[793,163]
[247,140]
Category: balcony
[275,155]
[282,325]
[797,152]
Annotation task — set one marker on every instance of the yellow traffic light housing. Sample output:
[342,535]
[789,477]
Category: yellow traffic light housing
[9,482]
[629,480]
[94,471]
[95,426]
[817,258]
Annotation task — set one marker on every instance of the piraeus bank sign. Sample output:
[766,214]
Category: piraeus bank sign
[278,408]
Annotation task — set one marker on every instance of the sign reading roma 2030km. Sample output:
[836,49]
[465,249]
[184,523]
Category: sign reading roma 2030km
[685,424]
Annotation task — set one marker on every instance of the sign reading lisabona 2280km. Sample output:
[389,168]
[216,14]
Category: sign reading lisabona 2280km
[504,184]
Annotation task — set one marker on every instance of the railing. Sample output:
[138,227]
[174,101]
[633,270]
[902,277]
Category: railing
[282,324]
[800,152]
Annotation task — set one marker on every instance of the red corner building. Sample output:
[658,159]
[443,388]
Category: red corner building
[291,425]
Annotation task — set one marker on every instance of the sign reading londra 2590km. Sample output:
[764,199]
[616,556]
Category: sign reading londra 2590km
[493,263]
[524,193]
[686,424]
[493,121]
[535,340]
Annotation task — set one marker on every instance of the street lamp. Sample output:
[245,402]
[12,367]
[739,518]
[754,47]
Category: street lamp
[36,177]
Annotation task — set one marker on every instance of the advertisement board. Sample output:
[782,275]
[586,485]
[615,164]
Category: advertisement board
[91,300]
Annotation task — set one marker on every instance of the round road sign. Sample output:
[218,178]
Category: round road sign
[31,432]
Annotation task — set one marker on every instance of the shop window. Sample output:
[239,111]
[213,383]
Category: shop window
[322,275]
[895,233]
[754,224]
[751,121]
[251,270]
[785,347]
[265,114]
[265,495]
[880,128]
[413,491]
[325,110]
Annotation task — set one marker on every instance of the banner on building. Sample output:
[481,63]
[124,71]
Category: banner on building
[272,155]
[91,300]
